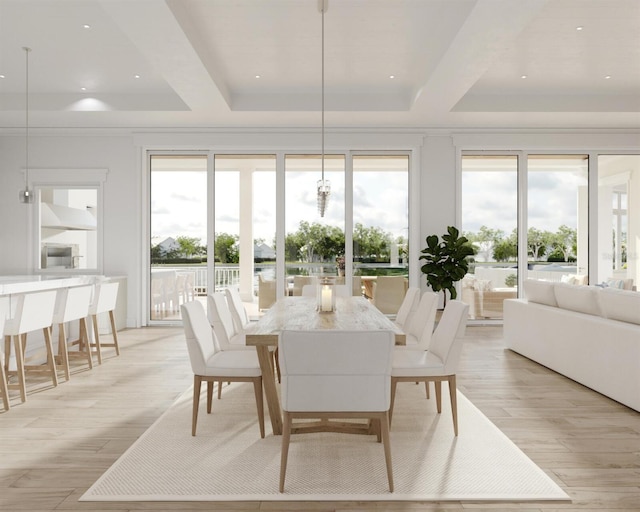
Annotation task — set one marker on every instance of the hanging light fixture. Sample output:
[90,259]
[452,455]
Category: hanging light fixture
[26,195]
[324,186]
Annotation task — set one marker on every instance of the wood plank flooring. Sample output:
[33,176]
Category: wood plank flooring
[53,447]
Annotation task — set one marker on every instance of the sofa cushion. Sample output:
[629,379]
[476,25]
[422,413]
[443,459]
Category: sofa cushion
[540,292]
[583,299]
[620,305]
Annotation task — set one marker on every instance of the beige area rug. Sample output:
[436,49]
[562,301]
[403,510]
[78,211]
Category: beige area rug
[228,460]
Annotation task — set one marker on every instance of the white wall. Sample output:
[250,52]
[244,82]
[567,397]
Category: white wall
[122,208]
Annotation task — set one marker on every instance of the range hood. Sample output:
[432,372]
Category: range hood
[57,216]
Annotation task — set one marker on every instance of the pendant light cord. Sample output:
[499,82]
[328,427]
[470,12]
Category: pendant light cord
[26,115]
[323,9]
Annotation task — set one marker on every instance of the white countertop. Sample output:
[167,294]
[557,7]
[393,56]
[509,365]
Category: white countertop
[25,284]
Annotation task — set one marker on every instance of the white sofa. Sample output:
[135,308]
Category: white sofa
[587,333]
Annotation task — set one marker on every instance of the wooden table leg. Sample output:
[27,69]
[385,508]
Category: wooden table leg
[270,391]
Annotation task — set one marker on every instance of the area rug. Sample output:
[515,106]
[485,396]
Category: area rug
[228,461]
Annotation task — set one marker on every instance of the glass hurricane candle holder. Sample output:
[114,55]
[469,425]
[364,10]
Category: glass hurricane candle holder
[326,295]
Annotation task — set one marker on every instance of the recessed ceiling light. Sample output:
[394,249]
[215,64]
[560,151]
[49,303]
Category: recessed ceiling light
[136,76]
[523,76]
[258,76]
[2,76]
[392,76]
[86,26]
[83,88]
[579,28]
[607,77]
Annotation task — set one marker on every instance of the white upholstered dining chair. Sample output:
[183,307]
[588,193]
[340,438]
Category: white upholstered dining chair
[388,293]
[4,388]
[419,324]
[241,322]
[408,306]
[336,374]
[437,364]
[221,320]
[210,364]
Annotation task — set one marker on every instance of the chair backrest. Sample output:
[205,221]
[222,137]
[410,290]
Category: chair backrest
[446,342]
[409,304]
[238,313]
[266,292]
[72,303]
[300,281]
[421,321]
[33,311]
[198,335]
[309,290]
[356,286]
[2,320]
[221,320]
[105,297]
[337,371]
[388,293]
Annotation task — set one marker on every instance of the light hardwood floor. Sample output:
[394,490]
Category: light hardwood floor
[53,447]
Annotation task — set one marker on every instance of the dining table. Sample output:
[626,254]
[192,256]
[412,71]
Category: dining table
[300,313]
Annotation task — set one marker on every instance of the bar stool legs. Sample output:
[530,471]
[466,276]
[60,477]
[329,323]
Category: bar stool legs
[104,301]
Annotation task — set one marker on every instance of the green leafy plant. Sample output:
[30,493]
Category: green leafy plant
[446,261]
[511,280]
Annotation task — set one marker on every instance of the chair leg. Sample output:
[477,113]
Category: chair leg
[210,384]
[219,389]
[51,362]
[4,388]
[114,332]
[96,335]
[17,343]
[84,342]
[394,385]
[197,381]
[257,388]
[63,353]
[438,385]
[454,402]
[384,428]
[426,388]
[286,437]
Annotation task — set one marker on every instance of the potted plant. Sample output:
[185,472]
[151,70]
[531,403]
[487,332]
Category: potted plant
[446,261]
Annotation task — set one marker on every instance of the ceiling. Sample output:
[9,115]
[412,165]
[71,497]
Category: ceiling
[456,63]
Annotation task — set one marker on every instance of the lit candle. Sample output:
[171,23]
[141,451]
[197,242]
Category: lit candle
[325,302]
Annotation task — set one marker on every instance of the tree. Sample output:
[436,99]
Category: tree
[190,247]
[565,241]
[507,248]
[537,243]
[485,240]
[226,248]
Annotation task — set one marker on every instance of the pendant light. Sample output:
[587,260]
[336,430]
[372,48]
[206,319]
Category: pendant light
[26,195]
[324,186]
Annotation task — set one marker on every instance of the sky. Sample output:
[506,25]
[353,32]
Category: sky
[179,202]
[380,199]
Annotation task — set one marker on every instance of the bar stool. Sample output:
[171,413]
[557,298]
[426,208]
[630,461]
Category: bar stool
[34,311]
[72,304]
[4,388]
[104,301]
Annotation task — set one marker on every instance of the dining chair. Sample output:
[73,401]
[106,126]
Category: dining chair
[73,304]
[388,293]
[4,388]
[334,375]
[408,306]
[105,299]
[266,292]
[356,286]
[221,320]
[241,322]
[210,364]
[300,281]
[34,312]
[437,364]
[419,325]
